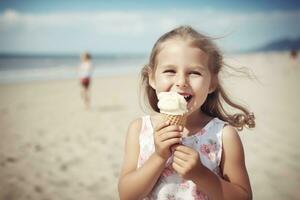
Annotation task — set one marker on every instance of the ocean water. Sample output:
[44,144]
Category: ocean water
[22,68]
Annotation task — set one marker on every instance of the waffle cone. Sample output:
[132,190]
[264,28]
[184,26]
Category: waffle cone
[176,119]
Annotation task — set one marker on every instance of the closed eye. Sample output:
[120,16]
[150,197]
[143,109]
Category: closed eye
[169,71]
[195,73]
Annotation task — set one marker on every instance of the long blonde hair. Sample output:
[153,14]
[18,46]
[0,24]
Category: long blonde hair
[213,105]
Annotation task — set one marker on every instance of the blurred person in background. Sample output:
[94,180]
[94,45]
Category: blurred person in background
[293,53]
[85,73]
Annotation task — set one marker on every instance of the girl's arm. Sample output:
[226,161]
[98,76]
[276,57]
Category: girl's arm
[233,166]
[235,185]
[137,183]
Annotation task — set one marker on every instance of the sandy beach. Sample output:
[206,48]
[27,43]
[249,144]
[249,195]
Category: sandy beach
[51,147]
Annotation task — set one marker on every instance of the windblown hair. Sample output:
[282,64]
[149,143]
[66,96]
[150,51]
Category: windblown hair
[215,101]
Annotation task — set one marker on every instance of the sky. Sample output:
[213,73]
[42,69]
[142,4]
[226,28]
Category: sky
[132,26]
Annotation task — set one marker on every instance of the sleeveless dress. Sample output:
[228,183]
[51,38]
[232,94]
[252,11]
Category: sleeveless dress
[170,186]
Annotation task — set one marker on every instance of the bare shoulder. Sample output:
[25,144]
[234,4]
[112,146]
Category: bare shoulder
[233,152]
[230,136]
[133,131]
[131,147]
[136,121]
[135,125]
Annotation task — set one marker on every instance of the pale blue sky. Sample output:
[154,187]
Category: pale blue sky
[133,26]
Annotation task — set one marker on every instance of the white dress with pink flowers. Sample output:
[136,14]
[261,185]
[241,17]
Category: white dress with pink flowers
[208,142]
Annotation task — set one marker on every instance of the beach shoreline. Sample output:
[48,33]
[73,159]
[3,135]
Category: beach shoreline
[51,147]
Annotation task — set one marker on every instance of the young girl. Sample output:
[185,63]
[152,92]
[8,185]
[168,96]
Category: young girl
[209,162]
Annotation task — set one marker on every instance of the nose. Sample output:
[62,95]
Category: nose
[181,80]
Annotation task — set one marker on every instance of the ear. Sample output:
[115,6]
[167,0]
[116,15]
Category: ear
[213,84]
[151,78]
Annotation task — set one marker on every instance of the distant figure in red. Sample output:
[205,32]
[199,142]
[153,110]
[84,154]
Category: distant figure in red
[85,73]
[293,54]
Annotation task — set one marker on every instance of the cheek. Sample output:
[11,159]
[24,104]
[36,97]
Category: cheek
[163,83]
[204,81]
[199,85]
[200,97]
[201,89]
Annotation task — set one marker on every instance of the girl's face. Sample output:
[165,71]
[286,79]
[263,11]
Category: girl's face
[184,69]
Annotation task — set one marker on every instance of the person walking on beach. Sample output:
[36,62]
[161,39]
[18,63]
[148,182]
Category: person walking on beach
[85,73]
[208,162]
[293,54]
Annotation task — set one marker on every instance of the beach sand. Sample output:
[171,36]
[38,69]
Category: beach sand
[51,147]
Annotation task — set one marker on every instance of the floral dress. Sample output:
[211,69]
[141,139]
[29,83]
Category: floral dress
[170,186]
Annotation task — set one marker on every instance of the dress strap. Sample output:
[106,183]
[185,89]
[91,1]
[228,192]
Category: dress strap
[220,124]
[146,124]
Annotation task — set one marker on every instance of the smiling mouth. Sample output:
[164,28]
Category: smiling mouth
[188,98]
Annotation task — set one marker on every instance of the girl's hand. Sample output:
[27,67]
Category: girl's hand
[166,135]
[187,163]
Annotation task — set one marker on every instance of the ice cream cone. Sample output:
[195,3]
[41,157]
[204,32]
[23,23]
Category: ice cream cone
[174,108]
[176,119]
